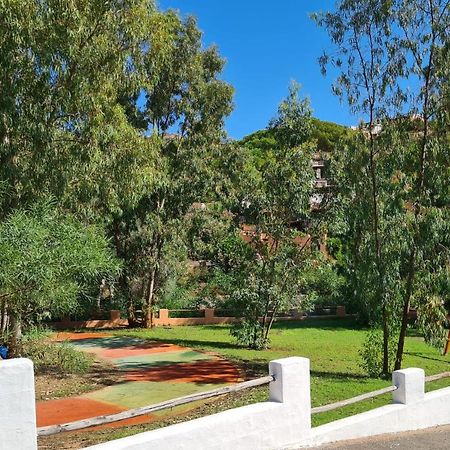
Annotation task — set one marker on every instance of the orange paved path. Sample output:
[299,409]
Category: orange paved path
[78,408]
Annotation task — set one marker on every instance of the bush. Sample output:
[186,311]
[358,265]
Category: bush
[372,353]
[249,333]
[47,356]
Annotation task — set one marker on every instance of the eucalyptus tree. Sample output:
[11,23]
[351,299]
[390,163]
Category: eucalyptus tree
[184,106]
[63,66]
[390,58]
[359,30]
[424,39]
[266,264]
[72,77]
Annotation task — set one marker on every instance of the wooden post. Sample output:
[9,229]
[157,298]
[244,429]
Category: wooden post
[114,314]
[447,345]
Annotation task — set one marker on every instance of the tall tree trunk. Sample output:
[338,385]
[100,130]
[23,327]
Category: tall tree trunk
[150,300]
[15,338]
[378,253]
[131,309]
[386,336]
[121,250]
[148,313]
[271,321]
[3,318]
[131,312]
[406,306]
[370,85]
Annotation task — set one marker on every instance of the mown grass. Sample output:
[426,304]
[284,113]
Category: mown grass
[331,345]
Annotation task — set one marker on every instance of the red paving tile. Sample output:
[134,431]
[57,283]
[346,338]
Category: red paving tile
[65,410]
[211,371]
[67,336]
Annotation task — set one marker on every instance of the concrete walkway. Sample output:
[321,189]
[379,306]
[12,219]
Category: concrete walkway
[437,438]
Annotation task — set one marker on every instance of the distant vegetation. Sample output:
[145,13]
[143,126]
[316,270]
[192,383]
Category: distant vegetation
[326,134]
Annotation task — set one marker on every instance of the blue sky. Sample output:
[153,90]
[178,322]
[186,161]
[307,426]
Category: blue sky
[266,44]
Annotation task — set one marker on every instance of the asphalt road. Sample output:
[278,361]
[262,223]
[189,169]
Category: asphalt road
[431,439]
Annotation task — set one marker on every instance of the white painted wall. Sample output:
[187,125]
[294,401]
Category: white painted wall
[412,409]
[17,405]
[284,422]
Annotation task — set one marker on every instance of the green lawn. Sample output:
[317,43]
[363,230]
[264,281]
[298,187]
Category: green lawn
[331,345]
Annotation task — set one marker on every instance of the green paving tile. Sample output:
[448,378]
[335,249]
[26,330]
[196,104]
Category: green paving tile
[159,359]
[134,394]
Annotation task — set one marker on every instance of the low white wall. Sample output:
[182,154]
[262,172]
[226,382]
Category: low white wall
[284,422]
[412,409]
[278,423]
[17,405]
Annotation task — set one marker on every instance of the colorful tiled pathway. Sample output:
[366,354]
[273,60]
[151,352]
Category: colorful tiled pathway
[152,372]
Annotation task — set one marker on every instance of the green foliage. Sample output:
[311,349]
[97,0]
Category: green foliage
[268,265]
[372,353]
[185,106]
[292,125]
[393,177]
[248,332]
[323,284]
[48,260]
[180,292]
[328,134]
[62,129]
[432,320]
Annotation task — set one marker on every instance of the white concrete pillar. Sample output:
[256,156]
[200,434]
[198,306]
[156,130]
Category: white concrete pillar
[292,388]
[17,405]
[410,385]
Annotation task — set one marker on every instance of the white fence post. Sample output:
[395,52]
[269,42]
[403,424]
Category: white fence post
[292,388]
[17,405]
[410,385]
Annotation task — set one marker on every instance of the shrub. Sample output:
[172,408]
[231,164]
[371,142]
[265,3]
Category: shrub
[47,356]
[372,352]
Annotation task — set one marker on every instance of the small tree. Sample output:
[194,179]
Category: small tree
[269,269]
[48,259]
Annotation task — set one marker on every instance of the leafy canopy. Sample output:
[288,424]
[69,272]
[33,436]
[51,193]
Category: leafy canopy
[48,258]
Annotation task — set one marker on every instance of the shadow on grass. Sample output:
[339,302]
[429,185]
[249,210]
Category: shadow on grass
[342,376]
[321,324]
[422,356]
